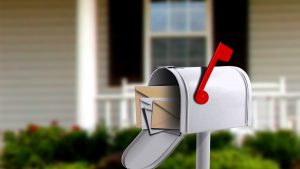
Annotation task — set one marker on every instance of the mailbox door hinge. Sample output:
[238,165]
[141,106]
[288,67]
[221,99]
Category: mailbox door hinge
[165,67]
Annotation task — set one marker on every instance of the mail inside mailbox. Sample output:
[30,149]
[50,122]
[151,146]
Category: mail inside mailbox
[158,108]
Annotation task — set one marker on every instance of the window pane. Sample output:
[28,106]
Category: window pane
[159,16]
[197,48]
[197,6]
[178,63]
[197,15]
[178,52]
[177,5]
[196,62]
[178,21]
[159,21]
[159,5]
[178,15]
[159,48]
[178,48]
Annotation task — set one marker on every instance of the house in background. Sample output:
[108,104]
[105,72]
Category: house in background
[65,60]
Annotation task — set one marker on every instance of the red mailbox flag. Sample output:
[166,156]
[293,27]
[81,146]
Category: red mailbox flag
[222,53]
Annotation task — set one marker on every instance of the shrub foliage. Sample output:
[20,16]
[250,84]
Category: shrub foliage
[282,146]
[221,159]
[53,147]
[37,147]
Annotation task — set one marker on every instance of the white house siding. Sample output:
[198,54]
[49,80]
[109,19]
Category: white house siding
[37,62]
[103,44]
[275,41]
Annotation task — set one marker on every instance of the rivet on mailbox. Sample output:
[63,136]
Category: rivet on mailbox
[167,111]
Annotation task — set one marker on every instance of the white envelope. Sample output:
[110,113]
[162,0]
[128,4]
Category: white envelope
[146,114]
[152,92]
[146,110]
[146,103]
[165,115]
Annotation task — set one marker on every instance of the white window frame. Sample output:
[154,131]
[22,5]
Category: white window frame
[148,35]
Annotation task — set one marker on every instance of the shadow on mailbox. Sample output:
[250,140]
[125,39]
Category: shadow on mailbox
[228,107]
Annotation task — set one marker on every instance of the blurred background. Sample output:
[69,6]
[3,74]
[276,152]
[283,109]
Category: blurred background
[68,70]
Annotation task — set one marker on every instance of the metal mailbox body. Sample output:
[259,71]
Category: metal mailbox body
[229,106]
[229,97]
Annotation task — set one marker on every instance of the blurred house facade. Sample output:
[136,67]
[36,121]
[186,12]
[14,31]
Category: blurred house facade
[77,60]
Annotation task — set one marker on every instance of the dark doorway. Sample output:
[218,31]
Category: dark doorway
[126,41]
[231,28]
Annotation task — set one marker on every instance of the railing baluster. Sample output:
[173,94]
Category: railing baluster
[255,114]
[298,116]
[283,113]
[271,113]
[123,113]
[124,120]
[107,112]
[133,111]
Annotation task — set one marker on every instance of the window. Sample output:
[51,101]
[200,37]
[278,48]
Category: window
[178,32]
[178,51]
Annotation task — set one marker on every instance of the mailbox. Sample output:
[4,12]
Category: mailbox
[229,106]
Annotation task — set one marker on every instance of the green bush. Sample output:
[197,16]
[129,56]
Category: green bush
[112,161]
[179,161]
[33,147]
[219,140]
[77,145]
[238,159]
[187,146]
[98,145]
[78,165]
[123,138]
[72,147]
[221,159]
[36,147]
[282,146]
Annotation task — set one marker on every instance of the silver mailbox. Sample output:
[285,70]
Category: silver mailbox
[228,107]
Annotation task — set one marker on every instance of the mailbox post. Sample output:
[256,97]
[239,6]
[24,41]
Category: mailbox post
[203,150]
[229,106]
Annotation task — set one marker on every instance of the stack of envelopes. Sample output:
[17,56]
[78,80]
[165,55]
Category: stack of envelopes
[158,108]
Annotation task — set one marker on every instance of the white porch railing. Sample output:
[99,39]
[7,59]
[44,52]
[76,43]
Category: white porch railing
[273,107]
[119,109]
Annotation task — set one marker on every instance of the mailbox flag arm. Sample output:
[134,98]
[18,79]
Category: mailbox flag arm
[222,53]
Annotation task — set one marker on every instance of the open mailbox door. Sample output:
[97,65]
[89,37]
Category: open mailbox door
[148,151]
[228,107]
